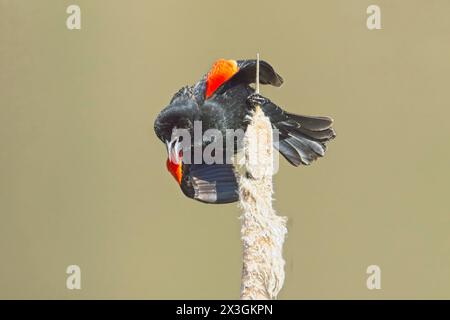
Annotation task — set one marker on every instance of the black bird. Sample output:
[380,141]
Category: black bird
[223,99]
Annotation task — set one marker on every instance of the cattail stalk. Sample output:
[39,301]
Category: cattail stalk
[262,230]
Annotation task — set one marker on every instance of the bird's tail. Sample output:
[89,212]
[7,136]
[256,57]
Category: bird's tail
[302,139]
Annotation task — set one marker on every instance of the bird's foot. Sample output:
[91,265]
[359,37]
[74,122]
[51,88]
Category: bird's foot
[255,99]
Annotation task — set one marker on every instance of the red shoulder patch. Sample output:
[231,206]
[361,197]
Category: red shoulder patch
[220,72]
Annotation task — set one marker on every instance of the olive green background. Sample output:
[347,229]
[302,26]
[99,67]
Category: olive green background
[83,178]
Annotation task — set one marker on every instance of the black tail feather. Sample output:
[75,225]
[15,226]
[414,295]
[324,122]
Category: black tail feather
[310,122]
[289,152]
[302,138]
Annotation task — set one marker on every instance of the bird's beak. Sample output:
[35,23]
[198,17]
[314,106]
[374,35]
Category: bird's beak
[173,150]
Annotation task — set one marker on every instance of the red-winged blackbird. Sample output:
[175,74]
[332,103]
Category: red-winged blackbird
[223,99]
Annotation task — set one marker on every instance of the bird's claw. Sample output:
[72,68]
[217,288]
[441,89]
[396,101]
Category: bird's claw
[255,99]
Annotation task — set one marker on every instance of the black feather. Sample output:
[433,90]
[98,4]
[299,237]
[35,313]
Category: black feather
[215,183]
[247,75]
[302,138]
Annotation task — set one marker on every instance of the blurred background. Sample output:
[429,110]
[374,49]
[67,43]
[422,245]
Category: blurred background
[83,178]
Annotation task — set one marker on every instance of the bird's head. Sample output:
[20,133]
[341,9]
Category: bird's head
[180,114]
[174,158]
